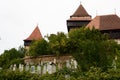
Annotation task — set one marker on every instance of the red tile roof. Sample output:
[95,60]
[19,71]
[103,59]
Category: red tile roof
[81,12]
[35,35]
[80,15]
[105,22]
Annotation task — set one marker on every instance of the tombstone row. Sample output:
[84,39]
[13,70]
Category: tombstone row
[48,67]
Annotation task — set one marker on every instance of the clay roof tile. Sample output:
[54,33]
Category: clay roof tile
[80,12]
[105,22]
[35,35]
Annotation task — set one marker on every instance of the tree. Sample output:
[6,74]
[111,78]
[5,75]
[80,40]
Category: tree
[39,47]
[91,48]
[58,43]
[10,57]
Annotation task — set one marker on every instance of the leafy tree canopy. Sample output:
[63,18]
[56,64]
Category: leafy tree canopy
[12,56]
[91,48]
[58,43]
[39,47]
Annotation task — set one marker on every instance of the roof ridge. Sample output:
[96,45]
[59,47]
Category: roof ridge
[107,15]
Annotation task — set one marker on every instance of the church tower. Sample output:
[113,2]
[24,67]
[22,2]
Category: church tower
[78,19]
[35,35]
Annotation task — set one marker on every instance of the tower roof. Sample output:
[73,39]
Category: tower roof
[80,12]
[105,22]
[35,35]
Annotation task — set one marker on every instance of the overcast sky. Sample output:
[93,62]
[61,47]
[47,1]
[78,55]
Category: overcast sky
[18,18]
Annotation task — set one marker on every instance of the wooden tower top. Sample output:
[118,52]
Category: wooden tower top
[35,35]
[80,12]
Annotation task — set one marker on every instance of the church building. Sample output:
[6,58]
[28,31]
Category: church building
[48,63]
[35,35]
[109,24]
[79,18]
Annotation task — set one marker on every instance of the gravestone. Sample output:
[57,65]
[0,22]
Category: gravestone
[49,67]
[21,67]
[14,67]
[68,65]
[44,69]
[53,68]
[75,64]
[32,69]
[27,67]
[72,63]
[38,69]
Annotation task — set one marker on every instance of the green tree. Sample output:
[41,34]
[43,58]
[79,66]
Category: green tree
[58,43]
[39,47]
[55,44]
[10,57]
[91,48]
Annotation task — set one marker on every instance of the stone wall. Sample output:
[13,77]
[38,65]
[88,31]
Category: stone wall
[45,64]
[46,58]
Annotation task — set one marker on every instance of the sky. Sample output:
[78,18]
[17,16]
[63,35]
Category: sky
[18,18]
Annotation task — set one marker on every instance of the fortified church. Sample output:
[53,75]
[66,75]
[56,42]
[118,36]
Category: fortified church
[105,23]
[109,24]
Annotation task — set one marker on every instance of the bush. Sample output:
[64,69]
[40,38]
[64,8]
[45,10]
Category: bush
[16,75]
[65,74]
